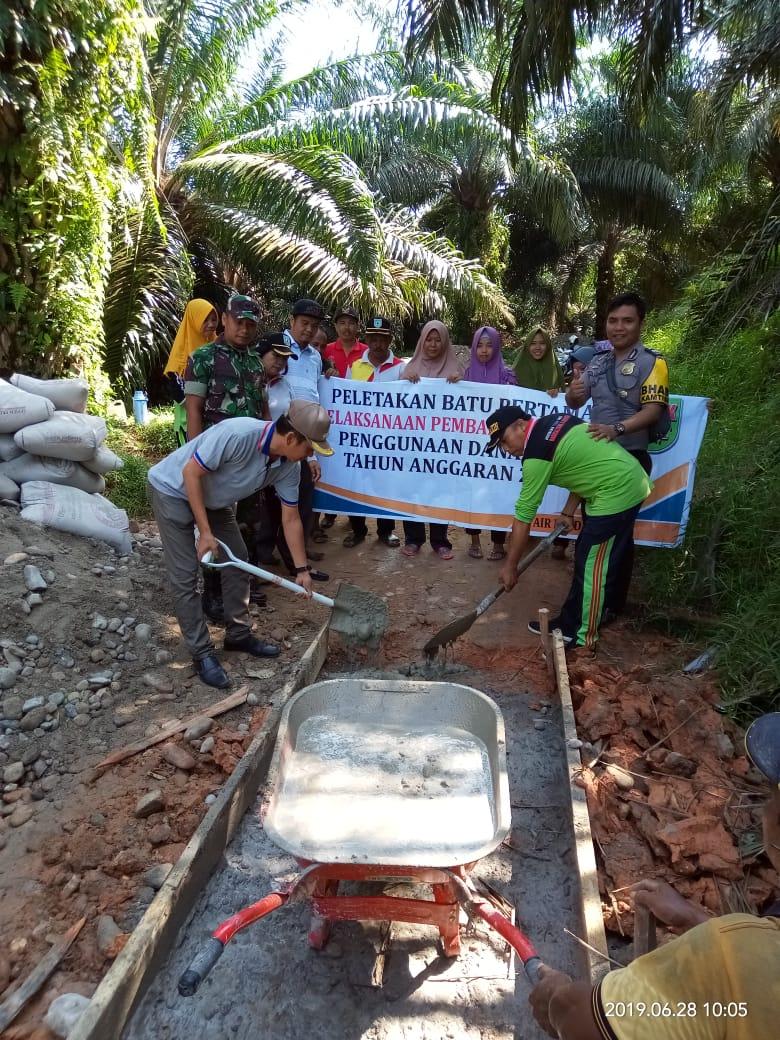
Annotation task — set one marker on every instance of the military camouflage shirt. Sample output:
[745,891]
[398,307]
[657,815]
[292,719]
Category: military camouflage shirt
[230,379]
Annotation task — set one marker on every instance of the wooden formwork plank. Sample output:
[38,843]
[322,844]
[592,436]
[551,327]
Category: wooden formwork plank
[126,981]
[591,919]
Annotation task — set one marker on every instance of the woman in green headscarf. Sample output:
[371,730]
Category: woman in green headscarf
[537,366]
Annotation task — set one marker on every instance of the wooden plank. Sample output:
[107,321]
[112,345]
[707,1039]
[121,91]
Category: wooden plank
[233,700]
[128,978]
[591,919]
[14,1003]
[544,630]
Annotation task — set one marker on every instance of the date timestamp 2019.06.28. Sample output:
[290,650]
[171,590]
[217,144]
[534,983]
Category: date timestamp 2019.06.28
[678,1009]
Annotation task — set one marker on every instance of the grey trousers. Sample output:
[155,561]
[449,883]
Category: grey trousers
[177,526]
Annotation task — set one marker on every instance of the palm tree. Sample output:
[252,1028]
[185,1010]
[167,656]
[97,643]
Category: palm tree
[271,182]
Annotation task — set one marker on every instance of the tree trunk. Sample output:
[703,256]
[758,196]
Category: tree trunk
[605,280]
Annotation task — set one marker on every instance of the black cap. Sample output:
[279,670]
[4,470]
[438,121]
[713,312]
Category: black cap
[346,312]
[499,422]
[275,342]
[243,307]
[308,309]
[379,327]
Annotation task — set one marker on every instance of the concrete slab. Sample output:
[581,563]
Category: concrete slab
[269,983]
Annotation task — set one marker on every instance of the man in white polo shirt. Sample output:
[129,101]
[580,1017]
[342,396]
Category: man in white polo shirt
[198,485]
[304,368]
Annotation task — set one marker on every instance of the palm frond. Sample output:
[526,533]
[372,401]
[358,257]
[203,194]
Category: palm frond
[148,286]
[745,285]
[311,191]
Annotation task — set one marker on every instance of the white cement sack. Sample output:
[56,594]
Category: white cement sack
[103,461]
[56,471]
[67,435]
[68,395]
[9,489]
[68,509]
[18,408]
[9,449]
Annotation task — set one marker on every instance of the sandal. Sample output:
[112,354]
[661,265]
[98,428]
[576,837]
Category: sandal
[352,540]
[410,549]
[319,536]
[496,553]
[443,552]
[475,552]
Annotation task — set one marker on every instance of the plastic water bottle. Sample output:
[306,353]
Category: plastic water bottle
[140,408]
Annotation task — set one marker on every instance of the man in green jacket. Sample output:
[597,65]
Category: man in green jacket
[557,449]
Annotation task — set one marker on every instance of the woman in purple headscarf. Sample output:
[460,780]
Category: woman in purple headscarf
[487,366]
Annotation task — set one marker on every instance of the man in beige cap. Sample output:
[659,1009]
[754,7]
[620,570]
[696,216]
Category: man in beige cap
[198,485]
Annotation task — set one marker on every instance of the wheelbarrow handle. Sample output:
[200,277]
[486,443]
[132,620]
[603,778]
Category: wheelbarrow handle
[519,942]
[204,961]
[233,561]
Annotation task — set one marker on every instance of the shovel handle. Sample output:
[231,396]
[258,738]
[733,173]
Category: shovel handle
[275,579]
[525,563]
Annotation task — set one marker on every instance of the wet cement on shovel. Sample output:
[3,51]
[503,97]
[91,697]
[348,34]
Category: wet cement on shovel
[358,616]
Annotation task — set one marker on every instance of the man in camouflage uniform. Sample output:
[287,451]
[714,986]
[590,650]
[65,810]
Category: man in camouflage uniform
[226,380]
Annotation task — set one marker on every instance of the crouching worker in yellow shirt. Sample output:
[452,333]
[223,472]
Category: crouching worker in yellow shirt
[720,980]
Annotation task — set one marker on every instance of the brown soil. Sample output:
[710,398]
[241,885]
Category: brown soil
[83,851]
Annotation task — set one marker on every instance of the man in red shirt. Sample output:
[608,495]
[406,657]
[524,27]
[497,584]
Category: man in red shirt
[347,348]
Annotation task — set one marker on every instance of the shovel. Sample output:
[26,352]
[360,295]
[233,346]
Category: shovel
[358,615]
[456,628]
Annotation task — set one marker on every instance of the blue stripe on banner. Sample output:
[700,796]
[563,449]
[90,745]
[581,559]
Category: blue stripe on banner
[669,509]
[325,502]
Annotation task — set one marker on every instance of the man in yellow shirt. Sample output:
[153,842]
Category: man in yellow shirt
[720,980]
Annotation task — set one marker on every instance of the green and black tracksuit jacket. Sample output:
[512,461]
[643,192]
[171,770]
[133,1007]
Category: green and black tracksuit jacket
[559,450]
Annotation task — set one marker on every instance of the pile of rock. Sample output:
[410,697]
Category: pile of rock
[669,793]
[52,459]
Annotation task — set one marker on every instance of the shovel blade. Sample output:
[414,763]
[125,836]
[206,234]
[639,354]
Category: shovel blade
[450,633]
[358,615]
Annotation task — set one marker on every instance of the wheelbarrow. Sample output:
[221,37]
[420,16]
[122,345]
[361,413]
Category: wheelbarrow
[384,781]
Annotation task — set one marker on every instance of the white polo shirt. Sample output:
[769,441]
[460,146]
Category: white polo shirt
[279,394]
[304,369]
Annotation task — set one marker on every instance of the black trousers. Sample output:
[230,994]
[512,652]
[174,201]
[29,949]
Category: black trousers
[599,566]
[270,534]
[627,568]
[384,526]
[414,534]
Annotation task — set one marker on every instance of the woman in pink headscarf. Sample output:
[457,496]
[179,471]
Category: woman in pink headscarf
[433,358]
[487,366]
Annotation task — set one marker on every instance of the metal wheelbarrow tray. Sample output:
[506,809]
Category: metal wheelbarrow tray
[384,780]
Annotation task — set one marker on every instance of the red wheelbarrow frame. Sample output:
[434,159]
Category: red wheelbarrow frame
[319,883]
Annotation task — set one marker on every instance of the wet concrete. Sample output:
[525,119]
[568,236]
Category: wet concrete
[269,983]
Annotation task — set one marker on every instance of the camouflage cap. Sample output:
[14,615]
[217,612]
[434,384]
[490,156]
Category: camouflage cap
[243,307]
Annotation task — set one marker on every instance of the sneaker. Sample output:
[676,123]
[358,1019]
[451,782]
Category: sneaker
[390,539]
[536,628]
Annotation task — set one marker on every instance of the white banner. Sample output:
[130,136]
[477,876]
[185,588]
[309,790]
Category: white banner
[416,452]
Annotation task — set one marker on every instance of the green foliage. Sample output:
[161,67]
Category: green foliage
[140,447]
[71,66]
[729,567]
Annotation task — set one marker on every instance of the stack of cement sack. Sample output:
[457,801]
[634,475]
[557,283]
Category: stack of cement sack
[52,459]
